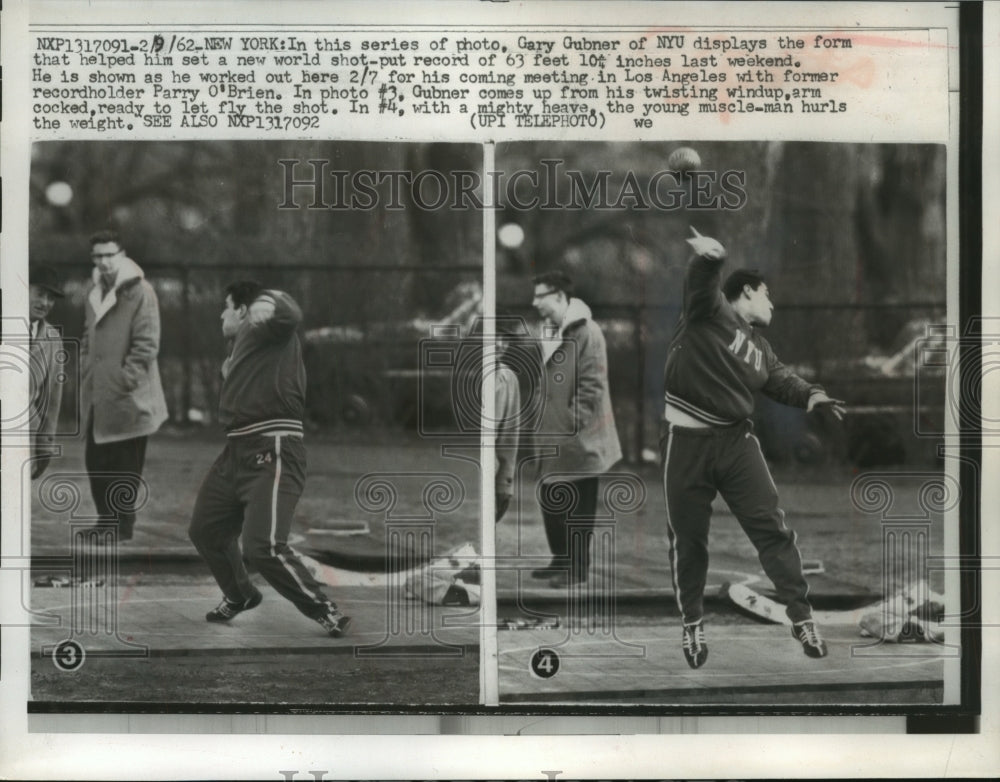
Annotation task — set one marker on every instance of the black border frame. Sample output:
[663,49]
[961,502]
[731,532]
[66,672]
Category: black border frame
[961,718]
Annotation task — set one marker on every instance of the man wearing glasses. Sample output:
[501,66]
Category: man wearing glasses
[121,396]
[577,419]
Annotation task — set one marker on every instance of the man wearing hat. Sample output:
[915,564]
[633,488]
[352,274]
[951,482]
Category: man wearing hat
[122,401]
[45,381]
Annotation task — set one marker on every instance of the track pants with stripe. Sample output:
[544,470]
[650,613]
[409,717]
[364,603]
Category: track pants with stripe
[251,492]
[697,465]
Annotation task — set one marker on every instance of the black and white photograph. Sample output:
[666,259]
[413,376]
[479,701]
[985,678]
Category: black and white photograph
[730,487]
[490,390]
[240,492]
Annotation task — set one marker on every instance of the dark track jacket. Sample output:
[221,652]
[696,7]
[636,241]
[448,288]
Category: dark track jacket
[264,378]
[717,360]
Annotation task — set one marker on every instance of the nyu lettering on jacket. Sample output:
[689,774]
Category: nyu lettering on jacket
[120,385]
[717,360]
[264,379]
[577,417]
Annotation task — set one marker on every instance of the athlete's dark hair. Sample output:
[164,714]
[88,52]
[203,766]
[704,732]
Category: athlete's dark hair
[558,280]
[733,286]
[244,292]
[104,236]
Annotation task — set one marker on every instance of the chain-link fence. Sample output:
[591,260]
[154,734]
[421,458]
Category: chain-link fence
[362,345]
[360,335]
[824,343]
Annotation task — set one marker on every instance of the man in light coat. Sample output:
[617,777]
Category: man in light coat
[576,419]
[122,400]
[45,376]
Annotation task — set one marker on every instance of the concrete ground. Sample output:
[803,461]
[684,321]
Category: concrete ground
[748,664]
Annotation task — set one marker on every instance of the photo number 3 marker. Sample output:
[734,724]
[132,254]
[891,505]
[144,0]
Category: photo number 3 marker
[545,663]
[68,656]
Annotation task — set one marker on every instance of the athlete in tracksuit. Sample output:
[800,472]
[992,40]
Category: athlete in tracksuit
[717,360]
[254,485]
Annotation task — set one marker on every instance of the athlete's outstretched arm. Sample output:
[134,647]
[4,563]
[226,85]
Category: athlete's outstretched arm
[784,386]
[702,284]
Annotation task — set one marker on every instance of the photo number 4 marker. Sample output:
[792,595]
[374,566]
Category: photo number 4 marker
[545,663]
